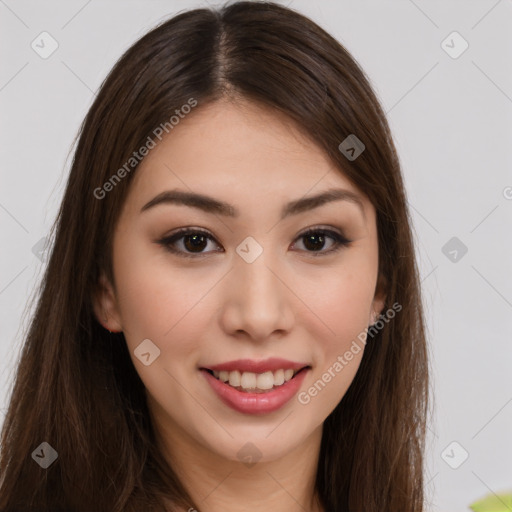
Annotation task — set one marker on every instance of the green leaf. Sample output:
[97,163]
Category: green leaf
[493,503]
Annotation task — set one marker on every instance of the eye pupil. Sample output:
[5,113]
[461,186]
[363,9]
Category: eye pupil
[197,241]
[318,241]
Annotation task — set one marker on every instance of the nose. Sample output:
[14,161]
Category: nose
[256,301]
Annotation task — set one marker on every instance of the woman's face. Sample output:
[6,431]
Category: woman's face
[242,283]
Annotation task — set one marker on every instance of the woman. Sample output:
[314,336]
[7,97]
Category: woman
[231,314]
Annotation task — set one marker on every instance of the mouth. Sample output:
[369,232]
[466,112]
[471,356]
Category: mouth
[251,382]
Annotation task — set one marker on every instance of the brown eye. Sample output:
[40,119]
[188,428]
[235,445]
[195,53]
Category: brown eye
[315,240]
[195,242]
[188,242]
[191,243]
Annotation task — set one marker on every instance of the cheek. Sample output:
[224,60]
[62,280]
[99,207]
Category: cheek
[339,304]
[341,298]
[163,303]
[338,346]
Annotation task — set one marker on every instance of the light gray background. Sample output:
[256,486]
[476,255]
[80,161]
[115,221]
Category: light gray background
[452,123]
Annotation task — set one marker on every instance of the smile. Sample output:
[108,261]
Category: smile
[255,382]
[255,393]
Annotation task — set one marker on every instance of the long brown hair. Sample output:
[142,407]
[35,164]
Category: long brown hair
[76,387]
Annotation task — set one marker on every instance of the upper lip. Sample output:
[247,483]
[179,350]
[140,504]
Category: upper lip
[250,365]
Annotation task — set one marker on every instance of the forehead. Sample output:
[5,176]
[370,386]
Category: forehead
[240,151]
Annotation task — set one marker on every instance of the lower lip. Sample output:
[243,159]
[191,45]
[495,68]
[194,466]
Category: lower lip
[256,403]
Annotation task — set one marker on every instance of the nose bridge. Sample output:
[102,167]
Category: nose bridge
[256,300]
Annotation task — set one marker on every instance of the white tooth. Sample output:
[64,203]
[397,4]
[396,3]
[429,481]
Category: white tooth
[234,378]
[248,380]
[288,374]
[215,374]
[278,377]
[251,380]
[265,380]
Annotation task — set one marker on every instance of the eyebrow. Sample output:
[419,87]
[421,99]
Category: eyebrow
[211,205]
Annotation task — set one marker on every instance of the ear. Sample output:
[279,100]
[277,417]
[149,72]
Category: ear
[379,299]
[105,305]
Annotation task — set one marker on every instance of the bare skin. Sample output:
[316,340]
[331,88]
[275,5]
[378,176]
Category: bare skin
[292,302]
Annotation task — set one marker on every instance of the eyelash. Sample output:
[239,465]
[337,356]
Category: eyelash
[340,241]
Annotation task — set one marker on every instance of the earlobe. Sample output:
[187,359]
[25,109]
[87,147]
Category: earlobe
[379,300]
[376,311]
[105,306]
